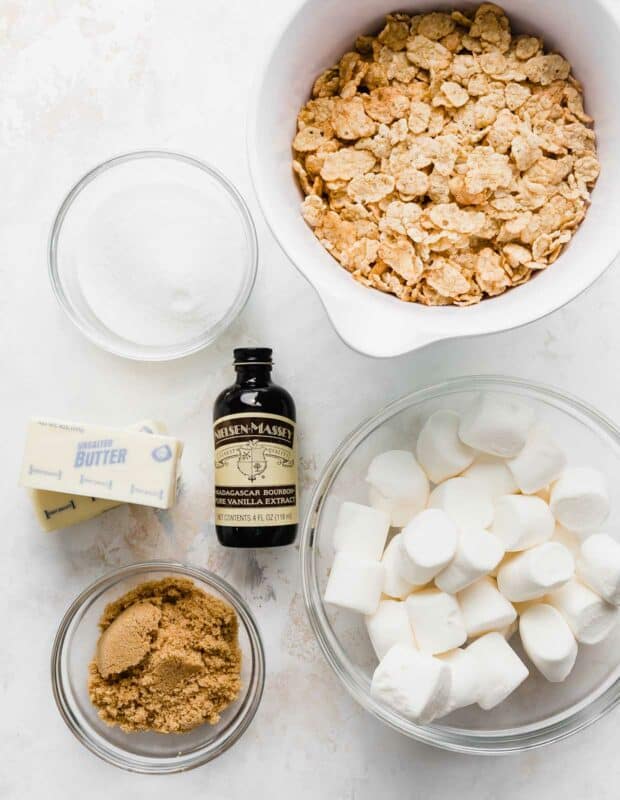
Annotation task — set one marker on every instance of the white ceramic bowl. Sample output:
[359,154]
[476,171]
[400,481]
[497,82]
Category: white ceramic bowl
[319,32]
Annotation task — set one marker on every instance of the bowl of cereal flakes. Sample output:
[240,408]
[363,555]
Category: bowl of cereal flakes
[441,171]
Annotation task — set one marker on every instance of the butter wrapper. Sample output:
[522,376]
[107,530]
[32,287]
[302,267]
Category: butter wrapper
[95,461]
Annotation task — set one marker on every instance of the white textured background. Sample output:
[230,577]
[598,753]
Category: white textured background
[79,82]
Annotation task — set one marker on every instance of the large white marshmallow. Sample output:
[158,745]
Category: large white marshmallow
[466,680]
[501,669]
[412,683]
[539,463]
[521,521]
[492,475]
[509,631]
[579,499]
[436,621]
[569,539]
[496,424]
[398,485]
[548,641]
[477,553]
[389,625]
[598,566]
[361,531]
[399,511]
[428,543]
[355,583]
[521,608]
[484,608]
[464,501]
[439,450]
[395,585]
[590,618]
[535,572]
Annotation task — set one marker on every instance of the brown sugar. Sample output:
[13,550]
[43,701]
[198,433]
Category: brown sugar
[167,659]
[127,640]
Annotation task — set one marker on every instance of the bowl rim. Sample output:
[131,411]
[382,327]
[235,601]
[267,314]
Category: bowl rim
[160,764]
[332,302]
[250,268]
[505,741]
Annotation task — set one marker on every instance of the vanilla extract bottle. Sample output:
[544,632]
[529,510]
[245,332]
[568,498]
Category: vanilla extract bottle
[255,457]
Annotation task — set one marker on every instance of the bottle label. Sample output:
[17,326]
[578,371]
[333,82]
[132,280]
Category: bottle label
[255,470]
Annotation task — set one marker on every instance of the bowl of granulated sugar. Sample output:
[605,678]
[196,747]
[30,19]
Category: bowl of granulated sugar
[153,254]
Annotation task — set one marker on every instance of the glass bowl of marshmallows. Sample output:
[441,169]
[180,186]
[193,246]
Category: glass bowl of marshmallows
[461,565]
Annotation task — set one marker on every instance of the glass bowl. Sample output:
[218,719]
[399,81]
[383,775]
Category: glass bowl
[538,712]
[184,244]
[157,753]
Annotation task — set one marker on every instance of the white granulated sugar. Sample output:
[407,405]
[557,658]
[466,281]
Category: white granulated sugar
[159,261]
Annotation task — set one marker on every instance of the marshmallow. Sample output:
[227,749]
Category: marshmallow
[436,621]
[535,572]
[521,522]
[548,641]
[398,485]
[412,683]
[395,585]
[389,625]
[484,608]
[495,424]
[589,617]
[492,475]
[509,631]
[492,573]
[521,608]
[477,553]
[439,450]
[539,463]
[399,511]
[579,499]
[465,683]
[501,670]
[569,539]
[361,531]
[467,505]
[598,566]
[428,544]
[355,583]
[507,556]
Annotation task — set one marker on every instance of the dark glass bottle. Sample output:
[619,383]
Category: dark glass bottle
[255,457]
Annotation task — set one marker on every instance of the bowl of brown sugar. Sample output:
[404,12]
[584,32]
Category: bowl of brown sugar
[158,667]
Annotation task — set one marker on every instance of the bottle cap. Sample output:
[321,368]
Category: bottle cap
[252,355]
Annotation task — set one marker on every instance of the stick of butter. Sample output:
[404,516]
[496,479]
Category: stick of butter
[95,461]
[56,510]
